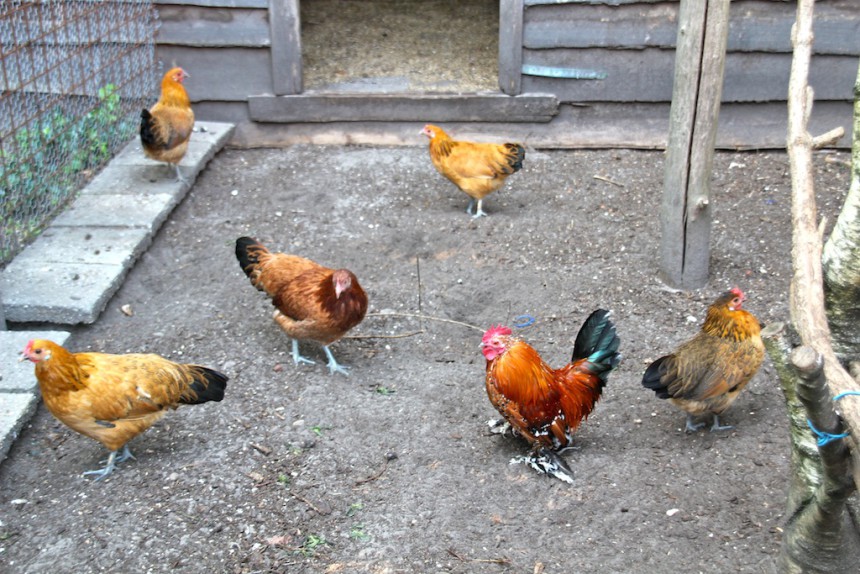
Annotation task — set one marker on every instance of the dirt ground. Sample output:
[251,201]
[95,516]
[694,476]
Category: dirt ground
[392,469]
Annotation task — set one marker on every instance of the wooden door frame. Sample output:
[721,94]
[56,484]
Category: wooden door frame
[286,47]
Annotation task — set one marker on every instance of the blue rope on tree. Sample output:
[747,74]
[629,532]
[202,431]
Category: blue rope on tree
[847,394]
[824,438]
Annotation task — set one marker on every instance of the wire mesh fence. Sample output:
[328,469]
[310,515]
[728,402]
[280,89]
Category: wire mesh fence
[74,75]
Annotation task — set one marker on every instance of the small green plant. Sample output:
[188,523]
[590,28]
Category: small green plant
[357,533]
[42,165]
[284,479]
[311,544]
[385,391]
[354,508]
[318,429]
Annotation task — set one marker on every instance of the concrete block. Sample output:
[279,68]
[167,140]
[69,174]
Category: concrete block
[87,245]
[15,376]
[19,395]
[152,179]
[15,410]
[147,211]
[62,293]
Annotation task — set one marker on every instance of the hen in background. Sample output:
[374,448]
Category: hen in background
[166,127]
[114,398]
[543,404]
[478,169]
[707,373]
[313,302]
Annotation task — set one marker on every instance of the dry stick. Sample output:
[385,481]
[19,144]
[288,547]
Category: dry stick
[312,506]
[807,287]
[607,180]
[400,336]
[373,477]
[428,317]
[462,558]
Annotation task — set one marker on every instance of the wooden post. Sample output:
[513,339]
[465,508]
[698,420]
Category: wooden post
[511,46]
[685,215]
[286,37]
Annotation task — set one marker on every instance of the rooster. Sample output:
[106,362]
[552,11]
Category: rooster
[166,127]
[114,398]
[707,373]
[478,169]
[546,405]
[313,302]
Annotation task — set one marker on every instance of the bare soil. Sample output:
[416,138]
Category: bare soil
[392,469]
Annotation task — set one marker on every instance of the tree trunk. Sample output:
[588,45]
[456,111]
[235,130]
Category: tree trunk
[841,259]
[821,534]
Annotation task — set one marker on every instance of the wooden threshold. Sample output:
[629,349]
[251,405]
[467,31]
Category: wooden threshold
[327,108]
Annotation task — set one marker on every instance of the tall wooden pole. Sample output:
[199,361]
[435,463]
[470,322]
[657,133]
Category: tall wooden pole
[685,215]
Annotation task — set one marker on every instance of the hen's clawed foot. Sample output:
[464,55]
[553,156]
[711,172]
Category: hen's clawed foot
[110,463]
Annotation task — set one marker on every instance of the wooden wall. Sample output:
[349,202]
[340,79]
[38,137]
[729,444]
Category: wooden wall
[595,73]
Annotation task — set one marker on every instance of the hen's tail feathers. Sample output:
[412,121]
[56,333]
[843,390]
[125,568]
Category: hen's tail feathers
[652,379]
[248,251]
[515,154]
[147,124]
[208,385]
[597,343]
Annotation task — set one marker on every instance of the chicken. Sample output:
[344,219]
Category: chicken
[114,398]
[543,404]
[166,127]
[313,302]
[478,169]
[707,373]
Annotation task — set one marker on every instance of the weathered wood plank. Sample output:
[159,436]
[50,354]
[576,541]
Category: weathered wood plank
[393,108]
[510,46]
[685,214]
[754,26]
[285,24]
[227,74]
[601,125]
[207,27]
[646,76]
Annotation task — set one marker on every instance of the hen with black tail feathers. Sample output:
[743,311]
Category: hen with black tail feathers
[706,374]
[545,405]
[313,302]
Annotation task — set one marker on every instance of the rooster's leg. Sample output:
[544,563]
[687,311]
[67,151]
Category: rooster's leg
[691,426]
[470,206]
[717,426]
[333,365]
[479,212]
[297,357]
[110,464]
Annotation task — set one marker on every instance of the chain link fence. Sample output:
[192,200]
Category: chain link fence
[74,75]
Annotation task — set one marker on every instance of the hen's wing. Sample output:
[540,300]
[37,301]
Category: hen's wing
[125,394]
[706,367]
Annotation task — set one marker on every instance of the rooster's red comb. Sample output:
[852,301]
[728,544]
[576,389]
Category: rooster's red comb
[496,330]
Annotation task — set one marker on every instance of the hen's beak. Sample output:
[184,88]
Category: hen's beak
[22,358]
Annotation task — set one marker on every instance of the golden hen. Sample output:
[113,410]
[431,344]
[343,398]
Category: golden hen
[478,169]
[166,127]
[313,302]
[114,398]
[546,405]
[707,373]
